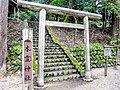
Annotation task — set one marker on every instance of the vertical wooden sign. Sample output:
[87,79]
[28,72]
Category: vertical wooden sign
[27,67]
[27,62]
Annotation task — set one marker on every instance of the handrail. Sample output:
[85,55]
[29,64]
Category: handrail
[55,9]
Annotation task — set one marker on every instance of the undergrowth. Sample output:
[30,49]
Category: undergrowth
[97,58]
[14,62]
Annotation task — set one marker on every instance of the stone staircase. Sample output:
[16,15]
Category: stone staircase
[57,65]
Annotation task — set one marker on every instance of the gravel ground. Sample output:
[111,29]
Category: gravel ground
[13,82]
[100,82]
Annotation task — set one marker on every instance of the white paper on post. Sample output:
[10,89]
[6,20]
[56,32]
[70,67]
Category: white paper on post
[107,52]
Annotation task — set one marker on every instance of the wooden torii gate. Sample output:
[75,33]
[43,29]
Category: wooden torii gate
[42,8]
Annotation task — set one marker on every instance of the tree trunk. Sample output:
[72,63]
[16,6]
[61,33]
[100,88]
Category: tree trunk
[104,20]
[116,26]
[3,34]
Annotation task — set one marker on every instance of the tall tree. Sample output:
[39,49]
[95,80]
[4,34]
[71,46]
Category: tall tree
[116,23]
[3,33]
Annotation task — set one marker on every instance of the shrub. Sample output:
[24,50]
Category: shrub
[14,62]
[97,58]
[14,57]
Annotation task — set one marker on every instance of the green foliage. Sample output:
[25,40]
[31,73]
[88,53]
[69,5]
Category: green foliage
[28,15]
[90,6]
[98,23]
[45,1]
[97,57]
[110,10]
[110,5]
[115,42]
[35,0]
[69,19]
[57,3]
[56,17]
[15,58]
[35,65]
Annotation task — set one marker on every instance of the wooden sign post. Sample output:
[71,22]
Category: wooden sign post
[27,67]
[27,62]
[107,52]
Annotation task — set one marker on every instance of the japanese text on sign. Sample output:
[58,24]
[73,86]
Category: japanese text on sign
[27,62]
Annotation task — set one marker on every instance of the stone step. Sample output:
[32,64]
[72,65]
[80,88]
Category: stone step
[34,38]
[55,56]
[52,47]
[53,53]
[60,72]
[36,34]
[48,50]
[52,50]
[35,49]
[46,45]
[56,64]
[57,68]
[35,41]
[35,45]
[60,78]
[48,41]
[56,60]
[48,38]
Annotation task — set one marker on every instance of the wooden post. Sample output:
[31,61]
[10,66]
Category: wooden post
[27,39]
[14,12]
[18,14]
[117,56]
[106,64]
[41,47]
[87,51]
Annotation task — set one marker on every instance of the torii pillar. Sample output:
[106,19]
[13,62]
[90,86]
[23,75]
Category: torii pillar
[87,50]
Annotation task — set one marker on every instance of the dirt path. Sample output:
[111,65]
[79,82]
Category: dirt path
[111,82]
[11,83]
